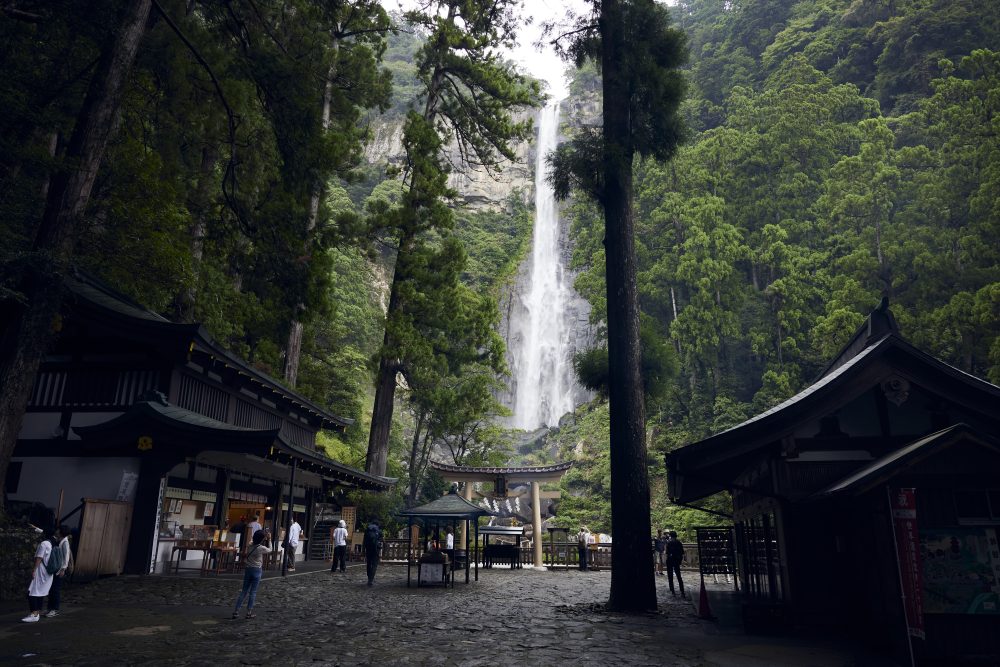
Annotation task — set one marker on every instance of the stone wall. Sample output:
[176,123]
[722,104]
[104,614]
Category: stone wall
[17,551]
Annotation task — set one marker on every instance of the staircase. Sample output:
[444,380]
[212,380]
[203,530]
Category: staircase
[321,543]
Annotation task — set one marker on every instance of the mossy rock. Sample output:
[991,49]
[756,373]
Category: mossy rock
[17,552]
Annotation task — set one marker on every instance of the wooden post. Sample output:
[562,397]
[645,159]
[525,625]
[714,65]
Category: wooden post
[59,509]
[536,520]
[288,514]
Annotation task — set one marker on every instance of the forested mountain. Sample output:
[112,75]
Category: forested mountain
[838,151]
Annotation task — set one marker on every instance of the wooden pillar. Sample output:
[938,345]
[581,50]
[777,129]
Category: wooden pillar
[463,536]
[536,524]
[308,522]
[221,514]
[143,531]
[288,515]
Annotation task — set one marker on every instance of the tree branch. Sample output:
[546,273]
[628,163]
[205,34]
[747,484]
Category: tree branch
[230,175]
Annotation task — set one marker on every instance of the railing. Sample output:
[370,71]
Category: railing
[566,554]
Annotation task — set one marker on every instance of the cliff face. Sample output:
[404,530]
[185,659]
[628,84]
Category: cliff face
[477,188]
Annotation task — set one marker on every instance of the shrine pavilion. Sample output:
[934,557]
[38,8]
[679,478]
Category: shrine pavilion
[157,428]
[867,505]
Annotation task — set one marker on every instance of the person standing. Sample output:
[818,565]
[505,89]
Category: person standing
[660,547]
[373,550]
[294,531]
[675,554]
[253,569]
[41,581]
[340,547]
[582,545]
[254,525]
[62,535]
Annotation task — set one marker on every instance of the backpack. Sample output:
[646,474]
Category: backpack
[373,538]
[56,561]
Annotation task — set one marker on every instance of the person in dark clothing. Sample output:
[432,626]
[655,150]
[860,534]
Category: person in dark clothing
[373,550]
[659,551]
[675,554]
[582,544]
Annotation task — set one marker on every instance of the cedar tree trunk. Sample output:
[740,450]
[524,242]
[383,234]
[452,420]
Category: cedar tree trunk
[632,585]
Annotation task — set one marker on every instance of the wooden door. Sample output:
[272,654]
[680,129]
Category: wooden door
[104,531]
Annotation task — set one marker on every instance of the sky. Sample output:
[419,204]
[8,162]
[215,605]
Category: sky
[545,65]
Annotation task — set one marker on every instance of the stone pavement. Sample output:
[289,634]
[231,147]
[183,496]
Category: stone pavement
[525,617]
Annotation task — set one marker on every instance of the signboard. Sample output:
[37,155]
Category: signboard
[904,524]
[961,570]
[126,490]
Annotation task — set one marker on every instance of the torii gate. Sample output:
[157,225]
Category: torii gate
[501,477]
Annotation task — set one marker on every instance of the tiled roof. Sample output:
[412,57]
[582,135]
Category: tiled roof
[502,470]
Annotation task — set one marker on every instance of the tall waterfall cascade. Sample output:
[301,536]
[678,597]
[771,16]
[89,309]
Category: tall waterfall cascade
[548,320]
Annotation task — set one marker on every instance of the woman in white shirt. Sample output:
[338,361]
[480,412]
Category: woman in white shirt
[41,581]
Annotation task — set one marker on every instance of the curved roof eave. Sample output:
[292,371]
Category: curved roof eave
[337,470]
[448,506]
[800,407]
[107,301]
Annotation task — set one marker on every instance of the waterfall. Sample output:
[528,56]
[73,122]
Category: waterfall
[547,314]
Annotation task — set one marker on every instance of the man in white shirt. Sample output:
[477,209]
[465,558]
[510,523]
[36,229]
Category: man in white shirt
[340,547]
[255,526]
[294,531]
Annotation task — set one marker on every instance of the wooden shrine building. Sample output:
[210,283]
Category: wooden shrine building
[134,409]
[868,504]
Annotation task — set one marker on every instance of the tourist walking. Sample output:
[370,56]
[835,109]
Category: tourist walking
[582,544]
[675,554]
[294,531]
[253,569]
[340,547]
[61,542]
[41,580]
[373,550]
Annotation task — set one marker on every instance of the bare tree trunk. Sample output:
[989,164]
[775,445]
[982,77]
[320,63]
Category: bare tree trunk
[378,437]
[415,457]
[632,584]
[30,325]
[385,385]
[200,206]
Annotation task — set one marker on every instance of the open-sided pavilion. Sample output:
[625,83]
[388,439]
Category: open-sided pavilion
[448,510]
[501,477]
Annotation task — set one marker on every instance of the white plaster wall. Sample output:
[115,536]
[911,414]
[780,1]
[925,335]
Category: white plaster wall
[43,476]
[39,425]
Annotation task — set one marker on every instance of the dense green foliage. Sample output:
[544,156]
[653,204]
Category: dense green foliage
[833,161]
[832,157]
[440,335]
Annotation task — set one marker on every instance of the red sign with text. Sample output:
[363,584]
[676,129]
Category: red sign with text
[904,523]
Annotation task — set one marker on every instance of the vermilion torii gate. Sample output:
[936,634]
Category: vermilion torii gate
[501,477]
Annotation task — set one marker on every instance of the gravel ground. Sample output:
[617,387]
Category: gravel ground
[525,617]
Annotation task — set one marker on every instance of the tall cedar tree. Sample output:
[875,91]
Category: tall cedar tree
[356,35]
[31,318]
[638,53]
[470,96]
